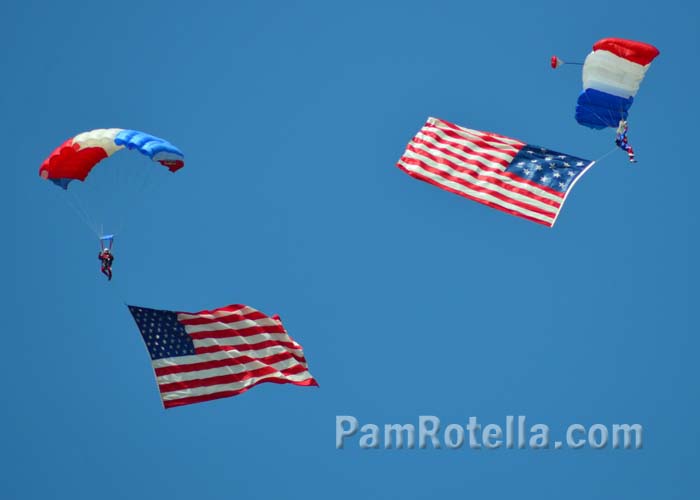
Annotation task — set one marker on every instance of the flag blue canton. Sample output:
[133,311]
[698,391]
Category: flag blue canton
[164,335]
[547,168]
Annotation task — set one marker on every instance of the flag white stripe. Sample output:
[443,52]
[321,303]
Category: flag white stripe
[484,196]
[442,124]
[506,182]
[233,341]
[461,154]
[213,389]
[236,325]
[506,153]
[215,314]
[457,156]
[487,180]
[183,361]
[225,370]
[474,155]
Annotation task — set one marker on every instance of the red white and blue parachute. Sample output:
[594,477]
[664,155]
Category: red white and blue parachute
[75,158]
[612,73]
[112,191]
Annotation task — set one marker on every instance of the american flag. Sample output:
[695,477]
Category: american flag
[503,173]
[219,353]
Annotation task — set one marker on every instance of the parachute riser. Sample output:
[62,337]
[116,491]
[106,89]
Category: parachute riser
[106,241]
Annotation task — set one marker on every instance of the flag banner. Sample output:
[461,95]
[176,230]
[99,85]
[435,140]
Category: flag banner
[528,181]
[219,353]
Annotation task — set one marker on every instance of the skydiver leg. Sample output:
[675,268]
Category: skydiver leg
[107,271]
[623,144]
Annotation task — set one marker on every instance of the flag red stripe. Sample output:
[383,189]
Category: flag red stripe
[500,138]
[477,164]
[247,347]
[483,145]
[230,308]
[225,394]
[481,189]
[486,178]
[224,319]
[238,332]
[484,202]
[457,156]
[218,363]
[482,149]
[230,378]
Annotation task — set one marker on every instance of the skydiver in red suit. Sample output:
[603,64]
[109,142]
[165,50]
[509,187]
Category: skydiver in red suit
[106,258]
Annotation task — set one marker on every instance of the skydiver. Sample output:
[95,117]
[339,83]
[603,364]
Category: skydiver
[621,140]
[106,258]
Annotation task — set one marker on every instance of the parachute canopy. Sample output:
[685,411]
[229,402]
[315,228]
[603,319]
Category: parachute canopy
[612,74]
[75,158]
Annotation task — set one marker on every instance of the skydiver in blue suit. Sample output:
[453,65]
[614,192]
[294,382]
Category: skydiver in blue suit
[621,140]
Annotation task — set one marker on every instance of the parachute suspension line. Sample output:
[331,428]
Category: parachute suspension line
[75,203]
[138,188]
[600,117]
[121,184]
[147,183]
[116,188]
[622,111]
[110,193]
[118,173]
[81,215]
[122,180]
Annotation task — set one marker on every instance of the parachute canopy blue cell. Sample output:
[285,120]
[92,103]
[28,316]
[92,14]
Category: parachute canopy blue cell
[599,110]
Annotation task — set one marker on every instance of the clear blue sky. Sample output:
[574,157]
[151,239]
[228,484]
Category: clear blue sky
[407,299]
